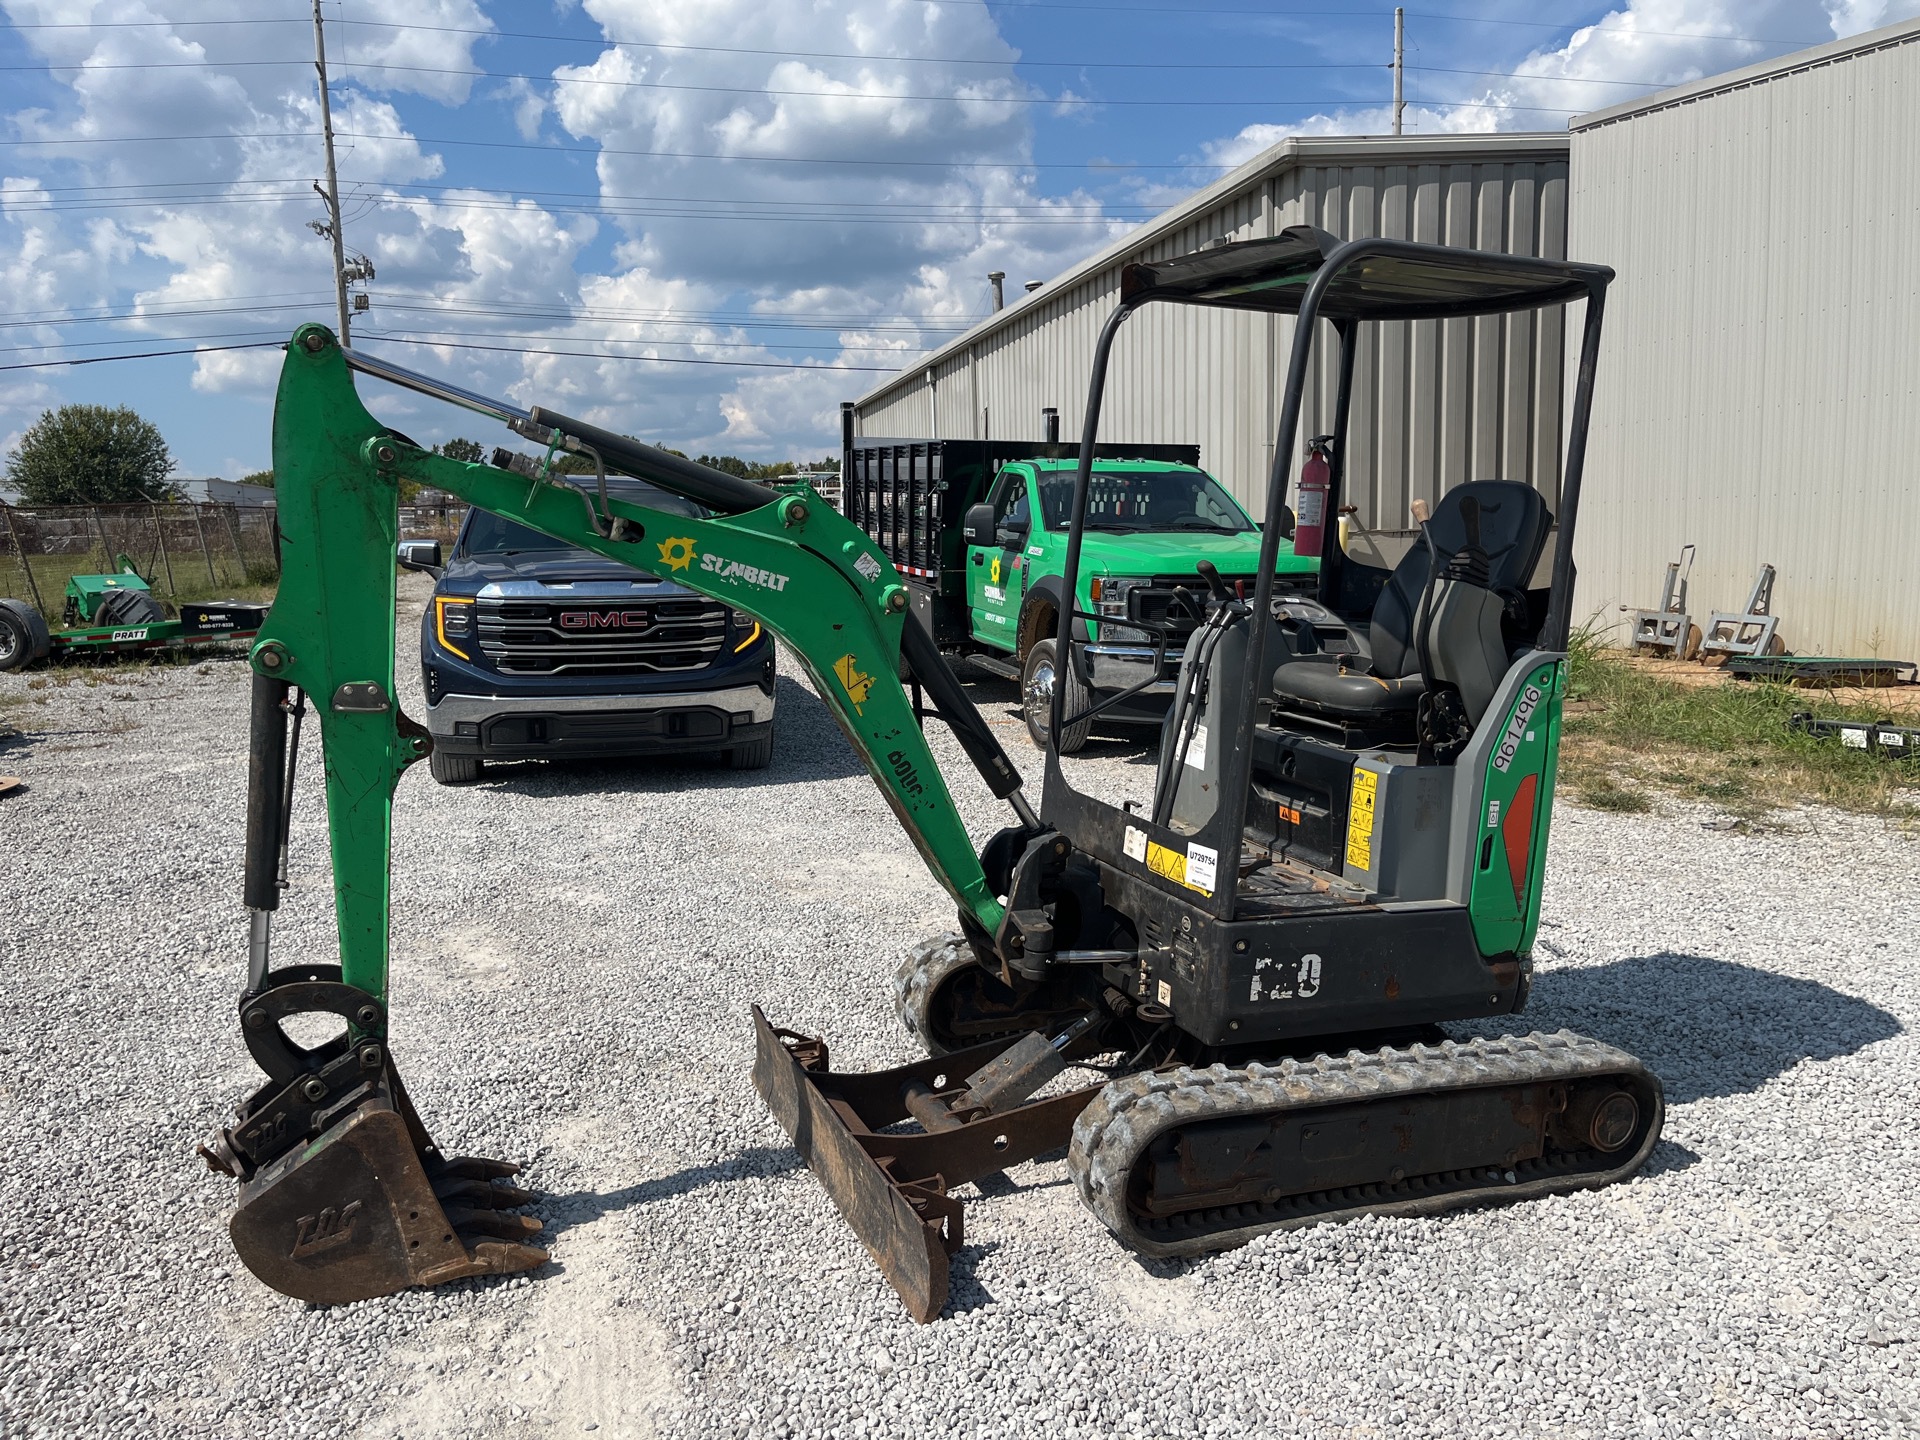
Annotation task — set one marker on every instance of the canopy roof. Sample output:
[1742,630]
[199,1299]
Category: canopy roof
[1407,282]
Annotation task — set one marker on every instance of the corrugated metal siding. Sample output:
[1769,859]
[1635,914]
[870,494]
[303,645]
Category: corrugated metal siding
[1759,388]
[1435,403]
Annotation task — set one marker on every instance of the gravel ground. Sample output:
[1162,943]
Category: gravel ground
[574,952]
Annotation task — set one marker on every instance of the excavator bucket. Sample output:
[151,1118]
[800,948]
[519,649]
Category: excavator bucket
[892,1188]
[369,1206]
[342,1194]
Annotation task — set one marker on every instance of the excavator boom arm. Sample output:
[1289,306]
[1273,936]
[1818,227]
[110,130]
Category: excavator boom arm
[803,571]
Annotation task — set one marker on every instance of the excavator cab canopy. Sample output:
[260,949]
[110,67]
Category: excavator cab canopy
[1404,282]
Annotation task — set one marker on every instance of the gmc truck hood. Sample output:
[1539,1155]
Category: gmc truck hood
[543,573]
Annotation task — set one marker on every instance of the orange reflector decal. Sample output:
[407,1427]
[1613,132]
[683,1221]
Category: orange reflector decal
[1516,832]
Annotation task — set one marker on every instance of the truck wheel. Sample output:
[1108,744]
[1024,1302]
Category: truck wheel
[1037,679]
[453,769]
[754,755]
[39,641]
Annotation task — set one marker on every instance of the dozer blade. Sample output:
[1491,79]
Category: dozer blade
[892,1188]
[369,1206]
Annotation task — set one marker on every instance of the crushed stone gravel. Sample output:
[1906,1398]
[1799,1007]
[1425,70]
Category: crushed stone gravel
[574,953]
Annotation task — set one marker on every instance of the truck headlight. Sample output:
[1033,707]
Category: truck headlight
[453,622]
[744,626]
[1110,595]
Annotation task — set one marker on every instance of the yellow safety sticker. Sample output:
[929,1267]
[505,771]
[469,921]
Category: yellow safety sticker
[857,682]
[1366,786]
[1173,864]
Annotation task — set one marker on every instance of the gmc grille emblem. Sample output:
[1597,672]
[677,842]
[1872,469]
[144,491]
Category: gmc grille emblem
[603,620]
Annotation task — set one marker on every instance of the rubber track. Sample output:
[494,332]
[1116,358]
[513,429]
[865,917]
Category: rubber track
[927,965]
[1116,1129]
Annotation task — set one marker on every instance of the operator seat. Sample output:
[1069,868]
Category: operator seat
[1512,524]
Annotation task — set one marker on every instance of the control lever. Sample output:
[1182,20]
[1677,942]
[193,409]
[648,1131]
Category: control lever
[1210,574]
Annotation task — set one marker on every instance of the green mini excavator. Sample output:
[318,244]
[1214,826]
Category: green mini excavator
[1344,848]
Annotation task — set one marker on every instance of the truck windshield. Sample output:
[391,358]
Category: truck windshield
[1176,498]
[489,534]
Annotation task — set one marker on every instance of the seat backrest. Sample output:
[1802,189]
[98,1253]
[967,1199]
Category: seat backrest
[1514,521]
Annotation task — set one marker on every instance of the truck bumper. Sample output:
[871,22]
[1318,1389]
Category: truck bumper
[1112,667]
[554,727]
[1118,667]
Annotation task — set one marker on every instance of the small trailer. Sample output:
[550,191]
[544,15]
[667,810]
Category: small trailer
[118,613]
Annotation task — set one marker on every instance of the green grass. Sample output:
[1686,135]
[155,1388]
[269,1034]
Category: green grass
[1630,734]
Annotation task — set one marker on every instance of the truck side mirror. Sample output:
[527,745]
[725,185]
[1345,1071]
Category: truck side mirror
[978,529]
[421,555]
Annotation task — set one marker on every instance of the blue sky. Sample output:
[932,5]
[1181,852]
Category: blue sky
[705,222]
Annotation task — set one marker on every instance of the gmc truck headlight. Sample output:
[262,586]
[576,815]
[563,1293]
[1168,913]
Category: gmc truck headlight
[745,627]
[453,623]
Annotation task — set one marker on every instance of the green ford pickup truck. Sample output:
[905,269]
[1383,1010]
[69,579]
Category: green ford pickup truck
[979,530]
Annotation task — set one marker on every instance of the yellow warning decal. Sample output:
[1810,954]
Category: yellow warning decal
[1366,786]
[857,682]
[1173,864]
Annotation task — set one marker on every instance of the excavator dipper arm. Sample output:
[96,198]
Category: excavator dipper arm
[343,1196]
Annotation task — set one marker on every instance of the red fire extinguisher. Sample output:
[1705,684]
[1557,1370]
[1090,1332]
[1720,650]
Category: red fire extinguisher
[1310,508]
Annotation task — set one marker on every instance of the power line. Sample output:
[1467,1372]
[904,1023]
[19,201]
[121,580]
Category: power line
[404,301]
[437,337]
[142,355]
[654,154]
[1346,14]
[452,345]
[1263,102]
[682,88]
[653,359]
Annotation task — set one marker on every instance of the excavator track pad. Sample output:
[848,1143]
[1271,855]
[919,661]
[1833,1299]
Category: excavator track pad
[1184,1161]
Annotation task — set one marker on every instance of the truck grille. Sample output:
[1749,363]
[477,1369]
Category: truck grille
[539,637]
[1154,601]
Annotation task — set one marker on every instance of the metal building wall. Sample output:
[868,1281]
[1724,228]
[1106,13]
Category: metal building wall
[1435,403]
[1759,386]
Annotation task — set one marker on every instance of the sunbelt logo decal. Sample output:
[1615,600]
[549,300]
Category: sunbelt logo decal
[678,552]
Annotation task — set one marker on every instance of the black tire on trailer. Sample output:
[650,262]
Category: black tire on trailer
[40,637]
[453,769]
[754,755]
[16,644]
[1038,676]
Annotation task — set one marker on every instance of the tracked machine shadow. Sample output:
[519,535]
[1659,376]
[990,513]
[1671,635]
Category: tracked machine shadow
[1344,849]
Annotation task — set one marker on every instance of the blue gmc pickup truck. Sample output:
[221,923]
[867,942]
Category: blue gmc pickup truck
[531,649]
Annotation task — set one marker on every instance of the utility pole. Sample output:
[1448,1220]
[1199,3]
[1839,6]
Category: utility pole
[332,195]
[1399,68]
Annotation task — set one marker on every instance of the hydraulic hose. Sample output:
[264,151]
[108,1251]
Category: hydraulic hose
[963,717]
[717,490]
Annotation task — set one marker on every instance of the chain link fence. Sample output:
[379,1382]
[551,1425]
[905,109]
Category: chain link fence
[184,551]
[432,522]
